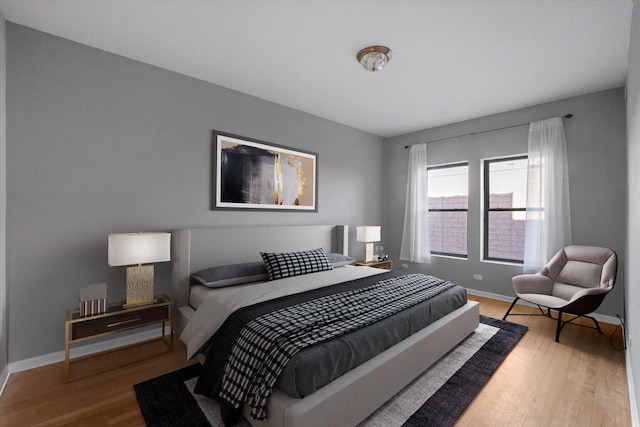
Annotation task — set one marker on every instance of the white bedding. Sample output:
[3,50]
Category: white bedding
[221,302]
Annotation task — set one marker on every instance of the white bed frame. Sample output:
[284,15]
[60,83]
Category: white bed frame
[355,395]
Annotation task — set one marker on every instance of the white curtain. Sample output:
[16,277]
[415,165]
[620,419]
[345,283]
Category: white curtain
[548,218]
[415,234]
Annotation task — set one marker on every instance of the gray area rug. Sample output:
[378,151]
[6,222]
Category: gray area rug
[436,398]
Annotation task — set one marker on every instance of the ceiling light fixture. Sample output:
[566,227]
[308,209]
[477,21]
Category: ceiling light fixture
[374,58]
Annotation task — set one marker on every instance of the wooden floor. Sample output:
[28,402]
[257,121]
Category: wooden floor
[580,381]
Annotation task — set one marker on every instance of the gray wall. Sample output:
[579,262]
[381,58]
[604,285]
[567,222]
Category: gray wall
[633,212]
[597,176]
[3,196]
[98,144]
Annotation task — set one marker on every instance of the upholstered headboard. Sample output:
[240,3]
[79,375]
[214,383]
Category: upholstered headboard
[194,249]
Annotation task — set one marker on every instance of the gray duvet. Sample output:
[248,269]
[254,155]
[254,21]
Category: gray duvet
[320,364]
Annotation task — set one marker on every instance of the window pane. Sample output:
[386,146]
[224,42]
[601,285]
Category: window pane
[505,236]
[448,232]
[448,187]
[508,183]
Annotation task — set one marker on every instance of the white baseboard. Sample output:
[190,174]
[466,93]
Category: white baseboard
[110,344]
[4,378]
[599,317]
[633,406]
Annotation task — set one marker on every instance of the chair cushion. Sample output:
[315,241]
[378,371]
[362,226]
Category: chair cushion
[565,291]
[544,300]
[591,254]
[580,273]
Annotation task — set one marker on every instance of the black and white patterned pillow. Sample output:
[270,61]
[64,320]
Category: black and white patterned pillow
[288,264]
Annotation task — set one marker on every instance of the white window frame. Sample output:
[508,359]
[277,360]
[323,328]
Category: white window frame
[484,217]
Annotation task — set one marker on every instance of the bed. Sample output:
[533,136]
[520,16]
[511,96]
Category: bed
[356,394]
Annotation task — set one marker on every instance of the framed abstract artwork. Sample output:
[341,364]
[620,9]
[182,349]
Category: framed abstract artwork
[258,175]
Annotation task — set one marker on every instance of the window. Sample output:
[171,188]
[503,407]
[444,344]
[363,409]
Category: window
[505,192]
[448,204]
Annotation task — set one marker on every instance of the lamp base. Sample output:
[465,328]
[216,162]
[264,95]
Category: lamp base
[139,286]
[368,252]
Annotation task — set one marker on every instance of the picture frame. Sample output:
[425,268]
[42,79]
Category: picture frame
[250,174]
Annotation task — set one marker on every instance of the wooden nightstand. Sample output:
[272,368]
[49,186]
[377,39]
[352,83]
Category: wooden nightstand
[116,319]
[385,265]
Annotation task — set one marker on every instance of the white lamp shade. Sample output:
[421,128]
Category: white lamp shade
[368,233]
[139,248]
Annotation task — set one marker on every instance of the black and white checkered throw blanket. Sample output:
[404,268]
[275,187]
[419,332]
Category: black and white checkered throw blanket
[267,343]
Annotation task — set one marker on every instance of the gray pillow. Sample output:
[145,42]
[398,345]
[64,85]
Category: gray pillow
[339,260]
[232,274]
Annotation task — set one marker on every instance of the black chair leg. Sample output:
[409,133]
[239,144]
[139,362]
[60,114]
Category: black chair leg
[559,327]
[596,323]
[509,311]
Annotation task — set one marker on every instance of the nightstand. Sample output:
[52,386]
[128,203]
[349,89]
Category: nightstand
[116,319]
[385,265]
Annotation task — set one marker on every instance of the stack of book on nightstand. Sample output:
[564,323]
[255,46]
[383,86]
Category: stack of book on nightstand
[93,299]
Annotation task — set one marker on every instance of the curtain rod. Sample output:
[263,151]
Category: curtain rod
[566,116]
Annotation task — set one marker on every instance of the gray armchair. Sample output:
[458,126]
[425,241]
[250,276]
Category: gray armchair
[575,281]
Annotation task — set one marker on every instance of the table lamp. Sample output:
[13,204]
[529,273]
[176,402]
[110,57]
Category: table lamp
[368,234]
[133,250]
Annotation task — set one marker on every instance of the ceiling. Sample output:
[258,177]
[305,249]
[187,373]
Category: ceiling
[453,60]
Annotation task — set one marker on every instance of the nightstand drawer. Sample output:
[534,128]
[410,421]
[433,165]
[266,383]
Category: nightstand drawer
[130,319]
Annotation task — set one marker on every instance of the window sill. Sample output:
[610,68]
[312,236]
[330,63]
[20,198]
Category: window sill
[450,257]
[510,264]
